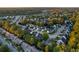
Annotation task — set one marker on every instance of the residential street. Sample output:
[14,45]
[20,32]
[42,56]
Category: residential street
[25,46]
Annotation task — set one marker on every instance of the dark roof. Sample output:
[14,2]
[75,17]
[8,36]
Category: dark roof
[64,39]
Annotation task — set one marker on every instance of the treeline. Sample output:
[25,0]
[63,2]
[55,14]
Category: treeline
[73,40]
[74,36]
[48,22]
[19,11]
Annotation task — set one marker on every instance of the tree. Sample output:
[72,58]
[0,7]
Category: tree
[0,23]
[72,39]
[46,48]
[13,28]
[19,33]
[31,40]
[78,46]
[50,21]
[45,35]
[6,25]
[24,22]
[52,45]
[74,35]
[39,23]
[39,44]
[4,48]
[56,49]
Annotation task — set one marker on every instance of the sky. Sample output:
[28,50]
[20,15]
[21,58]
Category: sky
[39,3]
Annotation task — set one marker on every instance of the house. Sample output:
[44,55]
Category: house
[66,35]
[38,36]
[60,42]
[64,39]
[23,27]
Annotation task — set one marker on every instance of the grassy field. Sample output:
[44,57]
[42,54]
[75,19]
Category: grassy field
[28,10]
[19,11]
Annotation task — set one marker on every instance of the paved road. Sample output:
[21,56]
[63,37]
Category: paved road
[8,44]
[53,36]
[25,46]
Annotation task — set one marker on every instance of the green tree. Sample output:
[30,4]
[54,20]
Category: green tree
[4,48]
[23,22]
[45,35]
[46,48]
[39,44]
